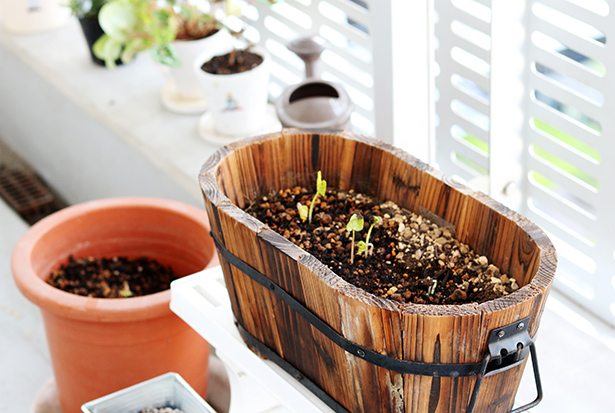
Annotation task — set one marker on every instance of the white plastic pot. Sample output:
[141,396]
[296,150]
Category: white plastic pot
[236,102]
[32,16]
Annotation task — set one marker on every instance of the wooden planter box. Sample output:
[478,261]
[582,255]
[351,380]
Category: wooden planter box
[451,335]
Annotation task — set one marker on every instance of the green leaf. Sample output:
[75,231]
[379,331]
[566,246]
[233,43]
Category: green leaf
[361,248]
[117,18]
[166,55]
[133,47]
[303,211]
[355,223]
[107,49]
[321,185]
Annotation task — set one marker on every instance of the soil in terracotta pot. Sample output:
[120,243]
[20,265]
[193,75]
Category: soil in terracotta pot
[117,277]
[413,260]
[236,61]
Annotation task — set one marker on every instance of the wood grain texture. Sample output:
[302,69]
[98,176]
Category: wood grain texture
[245,170]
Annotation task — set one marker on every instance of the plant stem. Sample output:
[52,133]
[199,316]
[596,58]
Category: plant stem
[352,249]
[312,208]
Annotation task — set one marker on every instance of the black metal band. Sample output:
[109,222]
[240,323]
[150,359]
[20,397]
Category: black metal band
[389,363]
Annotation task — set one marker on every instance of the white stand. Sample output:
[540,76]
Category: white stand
[257,385]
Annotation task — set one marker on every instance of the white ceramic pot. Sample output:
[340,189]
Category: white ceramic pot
[32,16]
[237,102]
[182,93]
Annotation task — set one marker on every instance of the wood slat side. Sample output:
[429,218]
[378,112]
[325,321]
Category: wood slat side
[437,394]
[398,181]
[313,285]
[447,200]
[328,367]
[214,160]
[440,339]
[375,324]
[211,189]
[238,233]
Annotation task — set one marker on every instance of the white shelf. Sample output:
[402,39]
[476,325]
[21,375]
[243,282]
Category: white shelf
[202,301]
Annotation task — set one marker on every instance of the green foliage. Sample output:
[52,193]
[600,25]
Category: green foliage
[303,211]
[125,291]
[355,223]
[366,247]
[321,189]
[362,247]
[133,26]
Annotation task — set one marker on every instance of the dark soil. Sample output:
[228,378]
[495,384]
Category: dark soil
[162,410]
[413,260]
[236,61]
[117,277]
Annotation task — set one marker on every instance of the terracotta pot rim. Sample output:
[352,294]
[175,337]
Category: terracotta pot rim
[73,306]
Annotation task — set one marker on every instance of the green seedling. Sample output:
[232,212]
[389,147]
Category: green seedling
[125,291]
[363,247]
[321,188]
[368,248]
[354,224]
[303,211]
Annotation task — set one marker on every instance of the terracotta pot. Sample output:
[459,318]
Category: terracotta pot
[101,345]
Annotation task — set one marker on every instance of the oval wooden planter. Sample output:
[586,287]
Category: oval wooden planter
[445,334]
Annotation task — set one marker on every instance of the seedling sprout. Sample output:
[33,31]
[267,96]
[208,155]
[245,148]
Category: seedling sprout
[367,248]
[303,211]
[354,224]
[321,188]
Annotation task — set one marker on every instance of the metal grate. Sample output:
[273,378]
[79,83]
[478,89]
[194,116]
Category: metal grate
[23,191]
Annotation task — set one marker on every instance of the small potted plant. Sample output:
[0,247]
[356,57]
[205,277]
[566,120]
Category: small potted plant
[86,12]
[101,342]
[236,84]
[175,32]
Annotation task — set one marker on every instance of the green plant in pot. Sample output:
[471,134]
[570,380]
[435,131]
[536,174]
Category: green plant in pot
[86,12]
[175,32]
[236,84]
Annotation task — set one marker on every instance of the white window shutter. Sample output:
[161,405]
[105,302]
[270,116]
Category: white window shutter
[517,93]
[524,114]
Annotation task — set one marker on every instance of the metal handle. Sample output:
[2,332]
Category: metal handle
[483,373]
